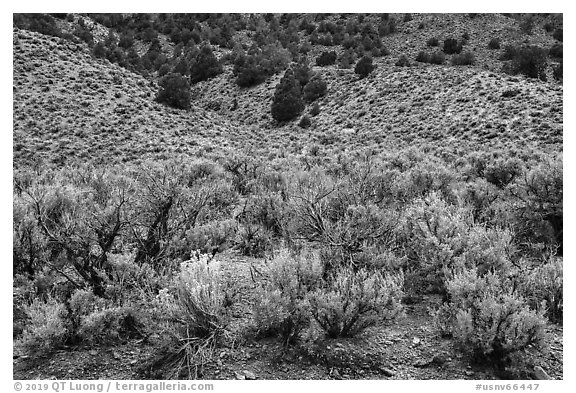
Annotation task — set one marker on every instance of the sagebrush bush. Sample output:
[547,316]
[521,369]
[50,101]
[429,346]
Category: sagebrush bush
[315,110]
[452,46]
[466,58]
[351,301]
[403,61]
[423,57]
[502,171]
[543,286]
[280,307]
[304,122]
[95,320]
[494,43]
[194,312]
[558,34]
[212,237]
[538,212]
[558,71]
[556,51]
[108,325]
[47,327]
[530,61]
[492,322]
[437,58]
[253,240]
[83,303]
[432,41]
[201,297]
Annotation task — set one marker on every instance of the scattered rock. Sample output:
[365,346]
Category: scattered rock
[469,373]
[422,363]
[238,375]
[387,372]
[249,375]
[540,374]
[440,358]
[416,341]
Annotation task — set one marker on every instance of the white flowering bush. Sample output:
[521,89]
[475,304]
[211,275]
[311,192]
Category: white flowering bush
[201,296]
[195,314]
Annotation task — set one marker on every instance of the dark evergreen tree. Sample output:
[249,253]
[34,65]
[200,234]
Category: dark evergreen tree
[315,89]
[530,61]
[205,65]
[99,50]
[326,58]
[452,46]
[174,91]
[287,103]
[364,67]
[302,72]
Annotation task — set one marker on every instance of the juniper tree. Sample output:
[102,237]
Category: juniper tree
[174,91]
[287,103]
[205,65]
[364,66]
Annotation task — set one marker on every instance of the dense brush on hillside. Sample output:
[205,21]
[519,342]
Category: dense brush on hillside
[299,195]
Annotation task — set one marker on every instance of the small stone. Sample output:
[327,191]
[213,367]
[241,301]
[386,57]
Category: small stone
[93,352]
[335,374]
[415,341]
[540,374]
[249,375]
[469,373]
[387,372]
[133,361]
[439,359]
[239,375]
[422,363]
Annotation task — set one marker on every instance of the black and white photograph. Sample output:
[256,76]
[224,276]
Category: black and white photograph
[287,196]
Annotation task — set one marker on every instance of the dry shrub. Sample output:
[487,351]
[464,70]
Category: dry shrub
[352,301]
[492,322]
[281,307]
[195,316]
[543,289]
[47,326]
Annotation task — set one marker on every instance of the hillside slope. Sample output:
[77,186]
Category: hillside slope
[69,106]
[416,105]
